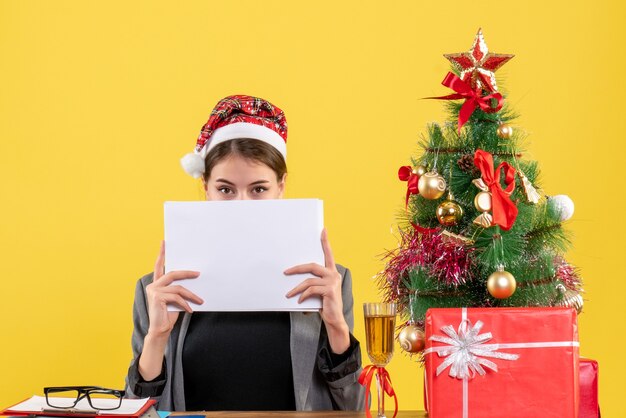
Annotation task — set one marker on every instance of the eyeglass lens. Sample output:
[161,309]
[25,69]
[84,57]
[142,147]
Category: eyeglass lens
[62,398]
[104,399]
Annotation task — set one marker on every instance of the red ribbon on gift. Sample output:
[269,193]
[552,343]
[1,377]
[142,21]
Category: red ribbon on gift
[405,173]
[365,379]
[504,210]
[473,98]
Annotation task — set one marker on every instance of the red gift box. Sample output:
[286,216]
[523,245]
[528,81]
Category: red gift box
[502,362]
[589,407]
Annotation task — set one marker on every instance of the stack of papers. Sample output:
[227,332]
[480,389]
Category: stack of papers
[241,249]
[37,405]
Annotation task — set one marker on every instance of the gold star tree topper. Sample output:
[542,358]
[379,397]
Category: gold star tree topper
[477,66]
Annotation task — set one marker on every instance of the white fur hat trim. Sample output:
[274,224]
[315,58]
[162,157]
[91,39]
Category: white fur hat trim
[193,163]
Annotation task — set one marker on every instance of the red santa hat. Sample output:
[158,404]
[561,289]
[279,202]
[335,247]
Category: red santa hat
[235,117]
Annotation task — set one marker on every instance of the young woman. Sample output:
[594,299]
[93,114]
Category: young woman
[245,360]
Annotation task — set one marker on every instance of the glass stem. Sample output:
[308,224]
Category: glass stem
[381,396]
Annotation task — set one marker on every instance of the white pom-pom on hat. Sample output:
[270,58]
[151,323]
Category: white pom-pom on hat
[193,164]
[235,117]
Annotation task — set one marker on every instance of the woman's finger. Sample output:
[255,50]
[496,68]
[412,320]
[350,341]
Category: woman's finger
[184,292]
[159,266]
[172,298]
[309,268]
[329,259]
[313,291]
[168,278]
[313,281]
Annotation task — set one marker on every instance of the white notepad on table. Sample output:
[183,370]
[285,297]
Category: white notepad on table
[241,249]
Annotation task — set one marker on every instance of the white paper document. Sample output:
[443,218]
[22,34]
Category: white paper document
[39,404]
[241,249]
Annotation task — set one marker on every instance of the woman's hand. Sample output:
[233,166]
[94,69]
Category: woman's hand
[327,285]
[159,293]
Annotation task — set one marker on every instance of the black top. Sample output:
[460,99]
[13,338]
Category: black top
[331,366]
[238,359]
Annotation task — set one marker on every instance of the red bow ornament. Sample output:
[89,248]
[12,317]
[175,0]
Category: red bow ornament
[411,176]
[365,379]
[473,98]
[503,209]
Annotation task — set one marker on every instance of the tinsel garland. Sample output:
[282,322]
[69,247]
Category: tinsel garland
[449,261]
[399,262]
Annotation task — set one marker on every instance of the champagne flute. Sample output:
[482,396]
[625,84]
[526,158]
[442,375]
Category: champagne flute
[380,323]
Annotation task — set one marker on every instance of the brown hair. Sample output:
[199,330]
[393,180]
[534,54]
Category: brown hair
[250,149]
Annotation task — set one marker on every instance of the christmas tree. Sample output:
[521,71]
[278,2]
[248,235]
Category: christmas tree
[479,231]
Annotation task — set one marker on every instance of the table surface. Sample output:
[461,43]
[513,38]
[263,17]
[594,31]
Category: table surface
[300,414]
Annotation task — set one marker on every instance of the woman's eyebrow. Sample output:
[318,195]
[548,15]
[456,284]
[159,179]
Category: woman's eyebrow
[232,184]
[224,181]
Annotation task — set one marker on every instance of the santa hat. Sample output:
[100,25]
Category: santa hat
[238,117]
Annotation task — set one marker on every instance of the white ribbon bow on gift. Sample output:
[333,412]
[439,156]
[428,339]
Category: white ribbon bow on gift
[466,351]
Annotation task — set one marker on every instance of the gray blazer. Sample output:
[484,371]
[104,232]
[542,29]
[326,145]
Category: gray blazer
[313,389]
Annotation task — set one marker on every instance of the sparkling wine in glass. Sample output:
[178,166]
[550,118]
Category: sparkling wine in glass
[380,322]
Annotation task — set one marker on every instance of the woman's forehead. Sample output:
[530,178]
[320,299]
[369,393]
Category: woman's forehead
[235,167]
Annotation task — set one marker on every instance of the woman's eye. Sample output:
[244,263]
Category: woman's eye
[259,189]
[225,190]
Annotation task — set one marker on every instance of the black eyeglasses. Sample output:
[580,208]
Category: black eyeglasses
[67,397]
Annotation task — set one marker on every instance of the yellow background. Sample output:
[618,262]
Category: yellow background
[98,100]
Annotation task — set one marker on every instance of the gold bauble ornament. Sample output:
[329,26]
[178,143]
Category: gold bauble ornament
[431,185]
[571,298]
[412,339]
[504,131]
[420,170]
[449,212]
[482,201]
[501,284]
